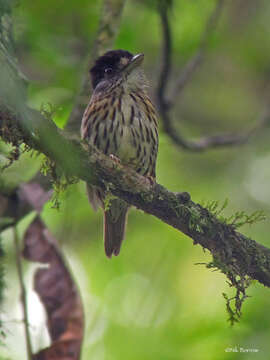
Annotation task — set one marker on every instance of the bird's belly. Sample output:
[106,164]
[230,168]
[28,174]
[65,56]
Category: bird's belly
[126,150]
[116,139]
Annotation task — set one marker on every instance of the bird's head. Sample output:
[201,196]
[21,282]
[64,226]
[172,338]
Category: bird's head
[118,67]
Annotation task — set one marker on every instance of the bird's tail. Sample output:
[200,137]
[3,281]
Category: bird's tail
[115,219]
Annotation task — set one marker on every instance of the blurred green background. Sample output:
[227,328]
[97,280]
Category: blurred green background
[153,301]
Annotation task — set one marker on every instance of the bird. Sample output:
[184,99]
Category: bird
[120,120]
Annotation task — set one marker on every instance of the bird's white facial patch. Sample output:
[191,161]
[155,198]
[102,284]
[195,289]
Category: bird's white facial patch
[124,61]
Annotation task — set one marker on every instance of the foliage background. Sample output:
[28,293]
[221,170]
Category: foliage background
[153,302]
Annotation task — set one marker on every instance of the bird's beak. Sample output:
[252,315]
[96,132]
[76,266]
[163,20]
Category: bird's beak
[134,63]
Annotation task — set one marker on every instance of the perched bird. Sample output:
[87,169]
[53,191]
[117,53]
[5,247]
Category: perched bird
[120,120]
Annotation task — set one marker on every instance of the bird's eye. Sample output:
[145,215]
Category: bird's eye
[108,70]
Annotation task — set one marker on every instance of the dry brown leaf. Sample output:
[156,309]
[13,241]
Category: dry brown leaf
[33,195]
[58,293]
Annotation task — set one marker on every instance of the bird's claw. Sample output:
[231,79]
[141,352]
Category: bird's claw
[115,159]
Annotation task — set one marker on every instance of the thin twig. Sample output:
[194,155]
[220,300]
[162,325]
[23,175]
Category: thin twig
[165,103]
[166,56]
[23,294]
[215,141]
[188,71]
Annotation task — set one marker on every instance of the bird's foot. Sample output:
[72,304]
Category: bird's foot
[115,159]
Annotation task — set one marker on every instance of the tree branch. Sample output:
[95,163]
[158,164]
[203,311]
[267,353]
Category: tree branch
[107,31]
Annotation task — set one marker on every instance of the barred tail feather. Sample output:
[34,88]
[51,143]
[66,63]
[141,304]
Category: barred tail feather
[114,231]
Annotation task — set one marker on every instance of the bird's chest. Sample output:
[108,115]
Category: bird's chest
[122,126]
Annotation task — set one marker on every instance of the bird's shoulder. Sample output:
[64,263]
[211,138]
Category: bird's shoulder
[97,108]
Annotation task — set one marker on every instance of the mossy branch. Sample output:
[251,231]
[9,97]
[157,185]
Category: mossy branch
[233,253]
